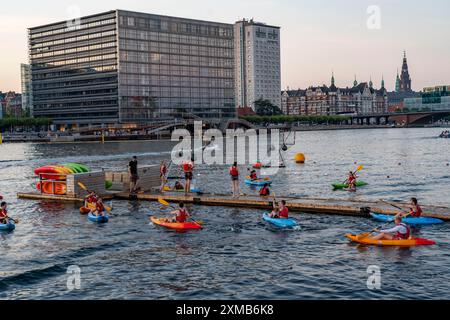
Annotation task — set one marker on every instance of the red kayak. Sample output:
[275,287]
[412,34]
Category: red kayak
[176,225]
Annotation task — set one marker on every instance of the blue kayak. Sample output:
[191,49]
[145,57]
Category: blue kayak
[281,223]
[100,219]
[407,220]
[8,226]
[259,182]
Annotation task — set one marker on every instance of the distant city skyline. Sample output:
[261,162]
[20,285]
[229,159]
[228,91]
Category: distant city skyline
[316,37]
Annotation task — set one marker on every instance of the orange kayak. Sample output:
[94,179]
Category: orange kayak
[49,187]
[175,225]
[402,243]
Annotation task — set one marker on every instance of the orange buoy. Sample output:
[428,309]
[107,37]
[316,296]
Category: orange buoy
[257,165]
[299,158]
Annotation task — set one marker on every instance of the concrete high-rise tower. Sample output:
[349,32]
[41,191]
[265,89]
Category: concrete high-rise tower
[257,63]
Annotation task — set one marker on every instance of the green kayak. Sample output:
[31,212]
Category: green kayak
[359,183]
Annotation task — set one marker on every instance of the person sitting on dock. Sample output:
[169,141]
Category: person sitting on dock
[399,232]
[264,192]
[181,214]
[99,208]
[281,212]
[3,213]
[415,209]
[178,186]
[351,181]
[253,175]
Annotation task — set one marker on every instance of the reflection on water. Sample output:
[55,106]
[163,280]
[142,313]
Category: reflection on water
[236,255]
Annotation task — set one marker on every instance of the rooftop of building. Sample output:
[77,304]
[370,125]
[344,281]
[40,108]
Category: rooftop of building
[255,23]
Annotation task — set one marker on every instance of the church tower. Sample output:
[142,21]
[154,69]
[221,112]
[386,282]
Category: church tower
[397,83]
[405,80]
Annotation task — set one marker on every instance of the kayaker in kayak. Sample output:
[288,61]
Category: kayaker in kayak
[181,214]
[415,209]
[281,212]
[99,208]
[188,167]
[234,173]
[162,174]
[91,198]
[253,175]
[264,191]
[3,213]
[351,181]
[399,232]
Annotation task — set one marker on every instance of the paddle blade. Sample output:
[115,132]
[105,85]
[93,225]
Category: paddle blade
[163,202]
[359,168]
[166,188]
[82,186]
[108,208]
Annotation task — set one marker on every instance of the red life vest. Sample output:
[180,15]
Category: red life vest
[417,213]
[234,171]
[92,199]
[284,213]
[351,179]
[403,235]
[182,215]
[253,176]
[264,191]
[3,213]
[99,206]
[187,167]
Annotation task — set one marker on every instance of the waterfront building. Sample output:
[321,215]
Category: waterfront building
[27,97]
[431,99]
[362,98]
[10,104]
[257,63]
[129,67]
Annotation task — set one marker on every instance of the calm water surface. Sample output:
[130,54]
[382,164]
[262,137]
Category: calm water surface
[236,256]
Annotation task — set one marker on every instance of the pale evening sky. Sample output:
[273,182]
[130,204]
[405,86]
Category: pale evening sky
[317,36]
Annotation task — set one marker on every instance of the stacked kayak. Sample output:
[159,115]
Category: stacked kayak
[258,182]
[100,219]
[401,243]
[408,220]
[189,225]
[337,185]
[194,190]
[280,222]
[8,226]
[57,174]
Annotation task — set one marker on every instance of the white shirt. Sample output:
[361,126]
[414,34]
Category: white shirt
[398,228]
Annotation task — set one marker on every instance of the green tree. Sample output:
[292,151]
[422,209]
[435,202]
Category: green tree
[266,108]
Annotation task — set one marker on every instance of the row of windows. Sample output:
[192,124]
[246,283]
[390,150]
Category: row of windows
[74,50]
[174,38]
[43,46]
[176,26]
[45,74]
[147,80]
[176,61]
[72,26]
[160,47]
[81,60]
[78,83]
[157,69]
[176,92]
[83,104]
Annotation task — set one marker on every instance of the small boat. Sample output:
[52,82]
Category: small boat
[408,220]
[338,185]
[258,182]
[100,219]
[188,225]
[401,243]
[281,223]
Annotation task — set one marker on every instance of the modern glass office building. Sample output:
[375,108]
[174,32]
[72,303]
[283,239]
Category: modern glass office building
[129,67]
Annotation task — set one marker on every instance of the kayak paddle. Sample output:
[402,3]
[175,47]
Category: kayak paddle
[165,203]
[82,186]
[360,167]
[395,206]
[16,221]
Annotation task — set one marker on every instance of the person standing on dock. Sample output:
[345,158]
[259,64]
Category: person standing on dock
[163,174]
[234,173]
[188,167]
[133,171]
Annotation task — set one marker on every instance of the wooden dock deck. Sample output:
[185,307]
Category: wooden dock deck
[306,205]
